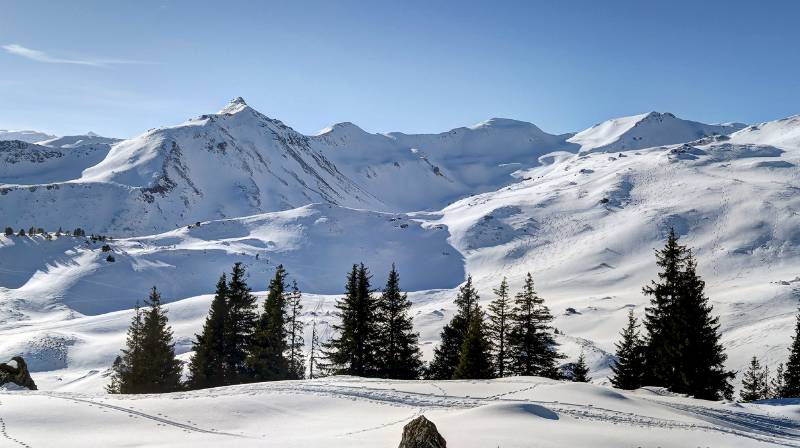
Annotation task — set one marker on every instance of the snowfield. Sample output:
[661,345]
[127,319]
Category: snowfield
[582,212]
[354,412]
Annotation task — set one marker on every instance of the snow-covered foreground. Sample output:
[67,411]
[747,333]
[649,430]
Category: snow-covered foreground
[355,412]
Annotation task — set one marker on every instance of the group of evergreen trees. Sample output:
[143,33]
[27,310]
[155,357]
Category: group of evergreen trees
[681,349]
[374,336]
[516,339]
[33,230]
[757,384]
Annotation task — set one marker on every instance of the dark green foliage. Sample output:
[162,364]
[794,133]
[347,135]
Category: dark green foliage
[148,364]
[352,351]
[580,371]
[499,320]
[532,346]
[474,361]
[628,368]
[755,385]
[266,359]
[398,349]
[683,351]
[446,357]
[207,367]
[9,231]
[315,368]
[239,325]
[78,232]
[294,334]
[776,386]
[21,232]
[791,378]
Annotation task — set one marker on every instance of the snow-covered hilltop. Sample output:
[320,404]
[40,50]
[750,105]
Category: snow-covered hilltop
[24,136]
[581,211]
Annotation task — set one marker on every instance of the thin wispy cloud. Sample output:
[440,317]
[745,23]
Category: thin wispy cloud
[41,56]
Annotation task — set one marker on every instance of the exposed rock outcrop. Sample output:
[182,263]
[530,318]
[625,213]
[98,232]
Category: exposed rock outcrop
[421,433]
[16,371]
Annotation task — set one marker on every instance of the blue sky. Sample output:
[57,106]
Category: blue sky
[119,67]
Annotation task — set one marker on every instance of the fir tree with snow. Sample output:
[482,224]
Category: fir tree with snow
[776,385]
[580,370]
[628,368]
[398,347]
[266,353]
[207,367]
[532,345]
[474,359]
[294,333]
[239,325]
[754,382]
[353,349]
[446,356]
[126,372]
[791,377]
[497,328]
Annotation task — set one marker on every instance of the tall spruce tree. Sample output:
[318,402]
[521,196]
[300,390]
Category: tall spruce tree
[474,360]
[398,350]
[207,367]
[126,372]
[352,351]
[294,333]
[580,370]
[266,359]
[157,370]
[532,345]
[701,356]
[446,357]
[791,377]
[315,368]
[239,326]
[754,382]
[628,367]
[499,320]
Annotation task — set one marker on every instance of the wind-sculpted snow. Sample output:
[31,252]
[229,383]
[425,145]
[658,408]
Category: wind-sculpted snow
[356,412]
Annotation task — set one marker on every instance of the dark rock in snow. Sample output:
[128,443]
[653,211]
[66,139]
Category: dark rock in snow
[421,433]
[16,371]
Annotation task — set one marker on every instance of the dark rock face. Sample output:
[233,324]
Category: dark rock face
[421,433]
[16,372]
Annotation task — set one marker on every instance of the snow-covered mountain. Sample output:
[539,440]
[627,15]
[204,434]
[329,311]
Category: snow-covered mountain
[30,164]
[584,223]
[24,136]
[645,131]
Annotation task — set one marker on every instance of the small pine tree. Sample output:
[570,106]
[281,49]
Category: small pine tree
[126,372]
[21,232]
[628,368]
[754,382]
[532,345]
[474,361]
[162,370]
[398,347]
[294,332]
[9,231]
[266,358]
[446,356]
[580,370]
[207,367]
[499,317]
[791,377]
[776,385]
[353,350]
[239,326]
[315,368]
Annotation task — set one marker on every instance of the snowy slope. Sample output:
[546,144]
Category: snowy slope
[24,136]
[645,131]
[30,164]
[351,412]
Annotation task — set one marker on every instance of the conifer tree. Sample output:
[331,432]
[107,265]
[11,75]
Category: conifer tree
[207,367]
[294,332]
[791,377]
[239,326]
[499,320]
[754,382]
[628,368]
[353,350]
[266,359]
[446,356]
[315,369]
[398,348]
[580,371]
[776,385]
[126,372]
[531,343]
[162,369]
[474,360]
